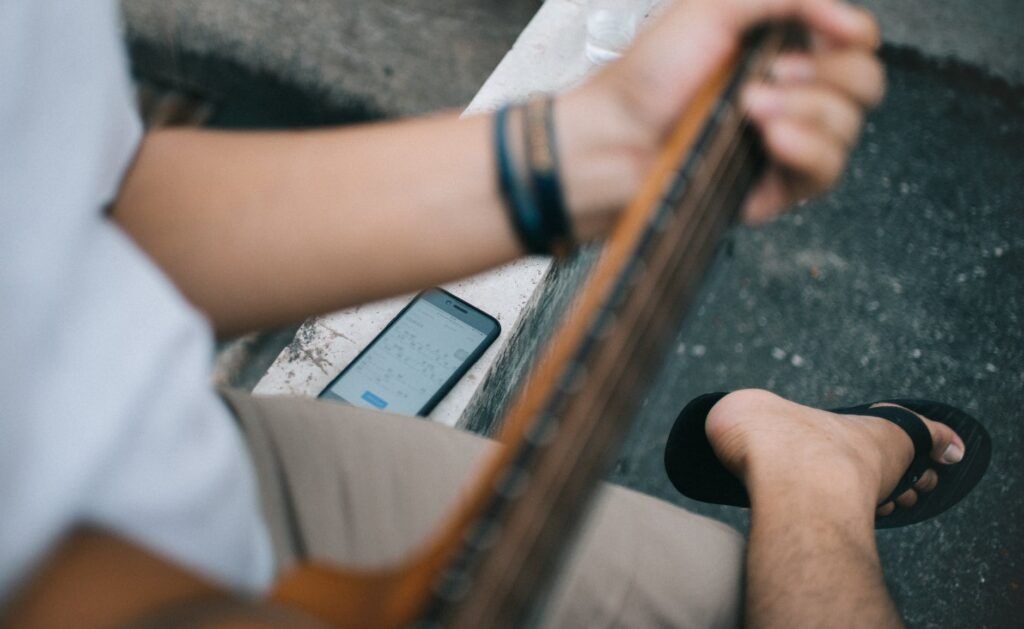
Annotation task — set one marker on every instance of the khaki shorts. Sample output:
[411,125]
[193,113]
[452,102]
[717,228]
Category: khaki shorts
[364,488]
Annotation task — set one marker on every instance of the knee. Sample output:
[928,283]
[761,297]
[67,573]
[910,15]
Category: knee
[688,568]
[710,567]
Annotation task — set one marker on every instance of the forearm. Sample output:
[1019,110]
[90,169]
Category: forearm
[259,229]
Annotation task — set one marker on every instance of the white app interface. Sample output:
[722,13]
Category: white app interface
[408,365]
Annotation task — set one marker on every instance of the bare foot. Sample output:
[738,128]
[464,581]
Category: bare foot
[766,440]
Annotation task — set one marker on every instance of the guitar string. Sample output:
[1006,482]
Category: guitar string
[692,249]
[741,128]
[658,322]
[737,174]
[687,251]
[609,432]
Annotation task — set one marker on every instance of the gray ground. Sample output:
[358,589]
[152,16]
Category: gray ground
[908,280]
[985,33]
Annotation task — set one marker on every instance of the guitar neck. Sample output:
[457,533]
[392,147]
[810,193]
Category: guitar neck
[564,431]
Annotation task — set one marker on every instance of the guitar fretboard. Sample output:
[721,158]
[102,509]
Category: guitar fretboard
[613,344]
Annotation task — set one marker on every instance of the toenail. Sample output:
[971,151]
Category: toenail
[953,454]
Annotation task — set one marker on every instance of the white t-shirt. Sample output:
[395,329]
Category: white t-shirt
[107,416]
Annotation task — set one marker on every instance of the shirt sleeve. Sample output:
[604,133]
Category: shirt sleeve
[108,414]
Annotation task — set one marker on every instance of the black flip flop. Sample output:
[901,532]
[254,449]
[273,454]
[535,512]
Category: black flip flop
[696,472]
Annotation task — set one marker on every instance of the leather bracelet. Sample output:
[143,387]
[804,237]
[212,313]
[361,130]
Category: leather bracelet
[522,208]
[545,179]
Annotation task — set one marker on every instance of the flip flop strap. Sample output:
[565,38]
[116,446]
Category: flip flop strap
[918,433]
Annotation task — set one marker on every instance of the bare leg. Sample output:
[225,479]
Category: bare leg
[814,480]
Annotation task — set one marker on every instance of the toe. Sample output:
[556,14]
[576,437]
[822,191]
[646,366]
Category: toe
[907,499]
[947,446]
[928,481]
[885,509]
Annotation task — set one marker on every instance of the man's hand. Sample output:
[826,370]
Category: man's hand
[246,223]
[810,113]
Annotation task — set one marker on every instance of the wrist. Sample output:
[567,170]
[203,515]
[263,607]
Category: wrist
[604,154]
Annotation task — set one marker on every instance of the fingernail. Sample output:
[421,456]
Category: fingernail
[793,70]
[953,454]
[761,101]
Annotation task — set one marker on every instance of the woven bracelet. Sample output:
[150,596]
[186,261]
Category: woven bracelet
[522,208]
[545,178]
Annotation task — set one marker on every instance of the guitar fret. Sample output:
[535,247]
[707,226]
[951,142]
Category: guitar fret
[543,433]
[483,534]
[574,378]
[661,222]
[513,483]
[453,585]
[607,324]
[637,271]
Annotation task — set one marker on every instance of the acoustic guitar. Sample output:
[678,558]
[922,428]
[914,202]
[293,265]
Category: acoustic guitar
[501,549]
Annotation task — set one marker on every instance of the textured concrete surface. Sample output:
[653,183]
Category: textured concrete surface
[405,56]
[985,33]
[395,57]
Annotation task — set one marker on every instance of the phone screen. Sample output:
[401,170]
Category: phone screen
[422,353]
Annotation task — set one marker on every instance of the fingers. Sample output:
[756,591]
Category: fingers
[853,72]
[812,105]
[768,198]
[838,22]
[810,117]
[816,158]
[827,90]
[805,162]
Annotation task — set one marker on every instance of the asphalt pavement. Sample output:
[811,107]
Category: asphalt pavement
[907,281]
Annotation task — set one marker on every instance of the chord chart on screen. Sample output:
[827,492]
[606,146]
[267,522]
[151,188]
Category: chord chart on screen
[409,362]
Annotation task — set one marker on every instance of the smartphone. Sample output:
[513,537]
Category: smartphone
[410,366]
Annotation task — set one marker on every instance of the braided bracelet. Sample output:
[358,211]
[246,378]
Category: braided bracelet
[535,202]
[526,218]
[545,179]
